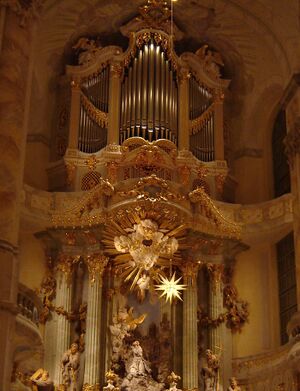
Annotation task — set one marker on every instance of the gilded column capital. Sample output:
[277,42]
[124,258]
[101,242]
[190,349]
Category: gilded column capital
[75,84]
[183,75]
[189,271]
[292,143]
[65,264]
[116,70]
[96,264]
[215,272]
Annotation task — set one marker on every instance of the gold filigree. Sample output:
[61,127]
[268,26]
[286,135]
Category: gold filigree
[112,171]
[155,13]
[100,117]
[91,387]
[92,162]
[96,264]
[197,124]
[189,270]
[65,264]
[116,70]
[71,171]
[212,213]
[79,213]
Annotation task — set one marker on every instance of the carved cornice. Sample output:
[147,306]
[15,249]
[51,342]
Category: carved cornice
[189,270]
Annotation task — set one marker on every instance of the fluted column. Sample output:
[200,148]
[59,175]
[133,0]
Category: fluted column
[215,304]
[114,104]
[64,300]
[183,106]
[74,114]
[190,327]
[96,265]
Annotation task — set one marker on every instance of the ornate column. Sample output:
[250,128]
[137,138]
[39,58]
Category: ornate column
[96,264]
[215,309]
[74,114]
[63,299]
[218,126]
[114,103]
[16,38]
[190,326]
[183,104]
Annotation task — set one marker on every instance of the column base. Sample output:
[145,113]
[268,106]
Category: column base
[91,387]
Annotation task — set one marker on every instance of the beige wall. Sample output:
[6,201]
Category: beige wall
[31,261]
[256,281]
[36,162]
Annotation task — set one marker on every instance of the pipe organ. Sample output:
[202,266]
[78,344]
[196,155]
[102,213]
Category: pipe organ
[93,106]
[201,115]
[148,91]
[149,96]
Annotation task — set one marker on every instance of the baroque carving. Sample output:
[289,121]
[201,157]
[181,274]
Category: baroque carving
[212,61]
[96,264]
[70,367]
[233,385]
[87,50]
[210,372]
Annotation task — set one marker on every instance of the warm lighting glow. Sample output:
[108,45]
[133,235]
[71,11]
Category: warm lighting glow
[170,288]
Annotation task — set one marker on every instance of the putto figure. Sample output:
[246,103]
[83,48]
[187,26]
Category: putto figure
[41,381]
[70,367]
[210,372]
[233,385]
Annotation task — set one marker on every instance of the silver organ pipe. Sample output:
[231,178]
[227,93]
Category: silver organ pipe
[149,95]
[201,110]
[92,136]
[145,88]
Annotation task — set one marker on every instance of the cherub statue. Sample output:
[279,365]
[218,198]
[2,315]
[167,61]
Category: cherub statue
[173,379]
[210,373]
[70,366]
[111,378]
[212,60]
[41,381]
[143,285]
[123,324]
[233,385]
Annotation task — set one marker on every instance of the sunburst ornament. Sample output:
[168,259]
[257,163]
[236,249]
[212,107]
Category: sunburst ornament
[170,288]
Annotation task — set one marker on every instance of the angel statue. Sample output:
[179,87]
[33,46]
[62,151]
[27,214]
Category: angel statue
[212,60]
[123,324]
[173,379]
[210,372]
[41,381]
[87,48]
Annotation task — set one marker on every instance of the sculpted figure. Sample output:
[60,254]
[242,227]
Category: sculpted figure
[173,379]
[41,381]
[87,48]
[210,373]
[137,365]
[70,366]
[233,385]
